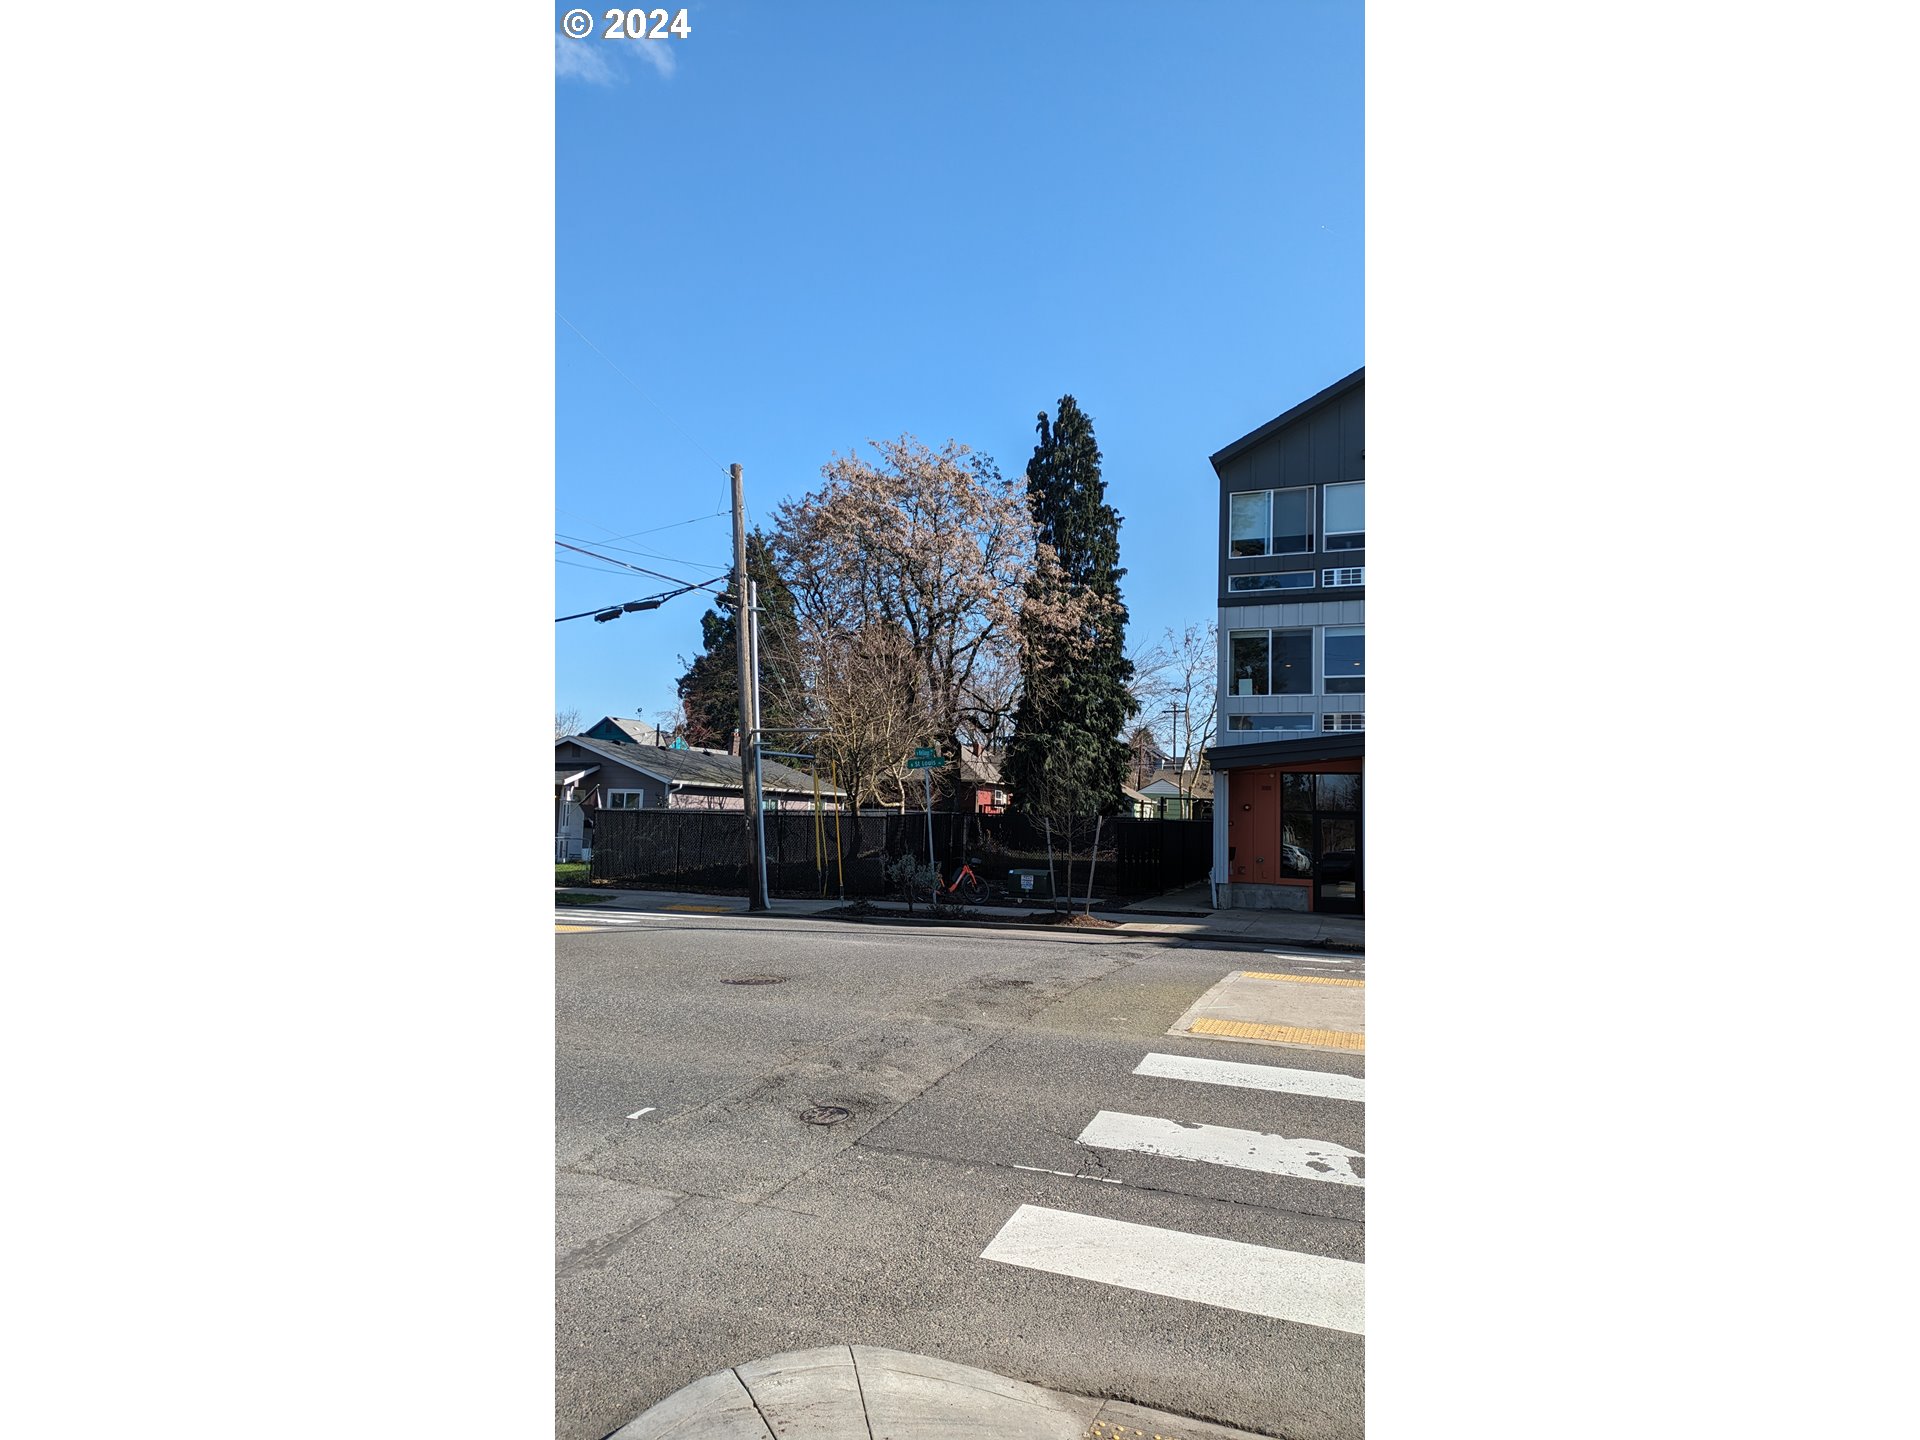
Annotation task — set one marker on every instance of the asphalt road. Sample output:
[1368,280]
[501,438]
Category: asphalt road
[718,1227]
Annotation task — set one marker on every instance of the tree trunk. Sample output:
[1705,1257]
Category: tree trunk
[1053,890]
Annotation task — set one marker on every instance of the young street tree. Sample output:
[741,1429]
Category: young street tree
[710,689]
[1067,761]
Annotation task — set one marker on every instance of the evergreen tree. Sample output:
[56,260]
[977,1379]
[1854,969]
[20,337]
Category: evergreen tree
[710,688]
[1067,758]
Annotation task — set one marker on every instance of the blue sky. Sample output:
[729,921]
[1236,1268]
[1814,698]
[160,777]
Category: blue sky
[801,228]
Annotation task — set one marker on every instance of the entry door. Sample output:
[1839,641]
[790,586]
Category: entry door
[1337,883]
[1253,828]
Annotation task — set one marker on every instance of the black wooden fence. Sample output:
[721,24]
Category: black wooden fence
[707,850]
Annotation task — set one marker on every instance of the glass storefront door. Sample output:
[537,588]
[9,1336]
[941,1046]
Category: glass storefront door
[1336,864]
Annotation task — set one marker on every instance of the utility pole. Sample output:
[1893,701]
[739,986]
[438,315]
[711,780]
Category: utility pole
[749,706]
[759,809]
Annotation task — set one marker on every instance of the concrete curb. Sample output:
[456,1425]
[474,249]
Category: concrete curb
[856,1392]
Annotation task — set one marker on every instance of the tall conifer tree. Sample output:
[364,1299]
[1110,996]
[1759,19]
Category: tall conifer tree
[1067,756]
[710,688]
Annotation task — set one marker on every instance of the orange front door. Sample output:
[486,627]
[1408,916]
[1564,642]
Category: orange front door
[1253,827]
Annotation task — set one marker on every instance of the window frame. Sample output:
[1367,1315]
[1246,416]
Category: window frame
[1312,579]
[1267,552]
[640,794]
[1233,674]
[1328,547]
[1252,729]
[1327,633]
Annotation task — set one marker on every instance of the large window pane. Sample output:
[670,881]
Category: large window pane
[1346,660]
[1285,580]
[1338,792]
[1248,672]
[1346,522]
[1293,522]
[1247,524]
[1270,722]
[1293,662]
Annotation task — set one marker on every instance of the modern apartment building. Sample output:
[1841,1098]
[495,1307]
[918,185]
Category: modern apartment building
[1293,669]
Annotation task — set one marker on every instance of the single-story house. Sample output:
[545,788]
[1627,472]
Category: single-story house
[1179,794]
[593,774]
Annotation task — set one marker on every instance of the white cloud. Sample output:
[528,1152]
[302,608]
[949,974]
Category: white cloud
[582,60]
[595,60]
[658,53]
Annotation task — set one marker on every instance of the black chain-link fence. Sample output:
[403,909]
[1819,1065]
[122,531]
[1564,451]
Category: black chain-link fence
[707,850]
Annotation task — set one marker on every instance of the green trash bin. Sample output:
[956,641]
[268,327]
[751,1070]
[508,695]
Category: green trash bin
[1030,884]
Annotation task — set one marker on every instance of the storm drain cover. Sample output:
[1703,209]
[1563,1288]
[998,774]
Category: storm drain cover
[825,1114]
[754,980]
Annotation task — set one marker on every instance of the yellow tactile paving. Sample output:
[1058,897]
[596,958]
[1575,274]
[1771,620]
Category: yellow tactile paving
[702,909]
[571,929]
[1303,979]
[1284,1034]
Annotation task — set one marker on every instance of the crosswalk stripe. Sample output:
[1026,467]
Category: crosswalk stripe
[1254,1077]
[1230,1274]
[1223,1145]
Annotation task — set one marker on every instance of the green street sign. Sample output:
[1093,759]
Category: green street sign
[924,762]
[924,752]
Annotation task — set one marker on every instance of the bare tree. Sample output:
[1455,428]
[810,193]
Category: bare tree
[932,546]
[565,722]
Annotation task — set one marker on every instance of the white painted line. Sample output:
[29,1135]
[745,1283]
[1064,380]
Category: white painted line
[1223,1145]
[1254,1077]
[1042,1170]
[1233,1275]
[638,1113]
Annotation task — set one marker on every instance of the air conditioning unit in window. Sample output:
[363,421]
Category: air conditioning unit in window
[1346,575]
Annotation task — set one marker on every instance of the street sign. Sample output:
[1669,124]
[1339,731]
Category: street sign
[925,752]
[925,762]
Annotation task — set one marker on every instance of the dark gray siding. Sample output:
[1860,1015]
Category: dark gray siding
[1323,445]
[610,775]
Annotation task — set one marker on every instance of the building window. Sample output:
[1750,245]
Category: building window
[1345,575]
[1270,522]
[1343,722]
[1270,722]
[1292,662]
[1285,580]
[1346,660]
[1247,527]
[1346,516]
[626,799]
[1248,662]
[1272,662]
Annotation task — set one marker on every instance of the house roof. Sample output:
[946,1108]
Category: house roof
[1286,418]
[697,767]
[1198,784]
[642,733]
[979,769]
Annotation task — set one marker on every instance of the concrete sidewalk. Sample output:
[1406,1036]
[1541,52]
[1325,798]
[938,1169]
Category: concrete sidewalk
[842,1392]
[1278,927]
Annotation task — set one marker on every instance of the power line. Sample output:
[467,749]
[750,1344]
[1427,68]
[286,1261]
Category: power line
[630,550]
[649,602]
[624,565]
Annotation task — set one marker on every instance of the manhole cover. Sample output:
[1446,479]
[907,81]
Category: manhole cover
[825,1114]
[754,980]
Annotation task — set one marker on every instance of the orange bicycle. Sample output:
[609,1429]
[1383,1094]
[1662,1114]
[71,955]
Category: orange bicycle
[966,886]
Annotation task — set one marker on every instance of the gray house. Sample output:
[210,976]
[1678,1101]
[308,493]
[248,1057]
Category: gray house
[592,774]
[1293,672]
